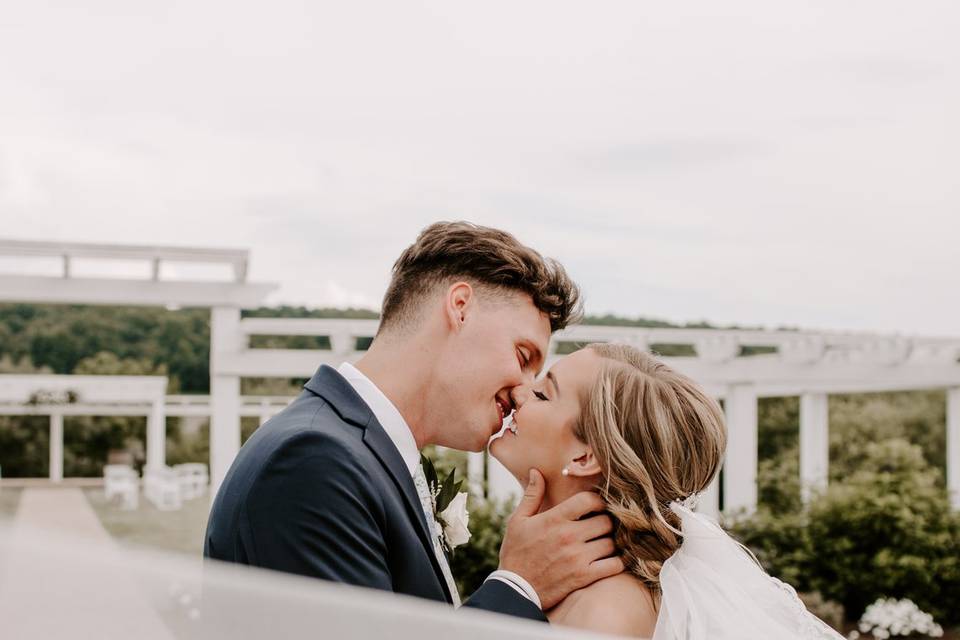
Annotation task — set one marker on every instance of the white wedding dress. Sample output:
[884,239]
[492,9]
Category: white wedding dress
[713,589]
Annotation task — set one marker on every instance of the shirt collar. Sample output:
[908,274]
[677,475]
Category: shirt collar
[386,414]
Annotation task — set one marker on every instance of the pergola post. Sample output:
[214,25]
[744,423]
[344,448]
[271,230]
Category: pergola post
[501,485]
[953,446]
[475,465]
[56,447]
[157,434]
[709,504]
[265,413]
[225,338]
[740,466]
[814,443]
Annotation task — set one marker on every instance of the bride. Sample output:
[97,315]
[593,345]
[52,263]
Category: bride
[614,419]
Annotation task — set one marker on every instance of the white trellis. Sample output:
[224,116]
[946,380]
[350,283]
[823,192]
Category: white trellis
[224,298]
[811,365]
[57,396]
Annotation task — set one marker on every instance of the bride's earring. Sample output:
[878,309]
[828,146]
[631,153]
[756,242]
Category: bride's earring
[565,472]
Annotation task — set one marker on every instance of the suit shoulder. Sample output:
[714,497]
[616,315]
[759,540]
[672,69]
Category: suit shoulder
[307,424]
[314,469]
[297,442]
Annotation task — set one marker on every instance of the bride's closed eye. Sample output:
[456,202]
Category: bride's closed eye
[540,396]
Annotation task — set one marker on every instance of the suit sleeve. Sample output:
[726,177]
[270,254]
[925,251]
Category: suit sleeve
[495,596]
[315,513]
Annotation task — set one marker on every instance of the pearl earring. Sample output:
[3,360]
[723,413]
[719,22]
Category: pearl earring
[565,472]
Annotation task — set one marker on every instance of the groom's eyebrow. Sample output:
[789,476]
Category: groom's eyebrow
[552,378]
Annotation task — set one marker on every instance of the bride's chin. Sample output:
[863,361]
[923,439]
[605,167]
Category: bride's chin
[508,464]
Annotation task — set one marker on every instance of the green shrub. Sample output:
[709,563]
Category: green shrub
[778,482]
[188,446]
[886,531]
[473,562]
[89,440]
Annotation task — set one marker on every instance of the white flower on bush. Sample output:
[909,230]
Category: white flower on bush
[892,618]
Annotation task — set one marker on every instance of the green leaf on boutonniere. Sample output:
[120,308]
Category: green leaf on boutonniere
[429,472]
[445,491]
[448,491]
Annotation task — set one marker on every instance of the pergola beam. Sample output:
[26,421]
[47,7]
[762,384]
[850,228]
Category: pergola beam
[111,291]
[236,258]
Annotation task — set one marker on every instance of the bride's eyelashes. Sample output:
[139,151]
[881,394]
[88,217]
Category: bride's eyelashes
[540,396]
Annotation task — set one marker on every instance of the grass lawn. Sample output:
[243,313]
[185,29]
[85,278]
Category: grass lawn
[180,531]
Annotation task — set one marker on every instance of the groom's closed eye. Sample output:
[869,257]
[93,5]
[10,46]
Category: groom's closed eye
[530,356]
[524,358]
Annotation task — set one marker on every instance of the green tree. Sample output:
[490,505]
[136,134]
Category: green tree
[857,421]
[24,446]
[108,363]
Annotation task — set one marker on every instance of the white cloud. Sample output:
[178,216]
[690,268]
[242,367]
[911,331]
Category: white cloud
[747,162]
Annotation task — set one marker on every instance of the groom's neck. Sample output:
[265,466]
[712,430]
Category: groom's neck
[403,385]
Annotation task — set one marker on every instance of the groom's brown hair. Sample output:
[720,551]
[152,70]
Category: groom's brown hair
[485,256]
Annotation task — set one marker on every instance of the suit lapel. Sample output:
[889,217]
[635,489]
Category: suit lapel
[382,446]
[337,391]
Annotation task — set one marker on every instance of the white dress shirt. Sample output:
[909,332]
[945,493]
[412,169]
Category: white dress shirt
[399,433]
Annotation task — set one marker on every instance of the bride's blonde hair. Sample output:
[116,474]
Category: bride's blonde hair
[658,437]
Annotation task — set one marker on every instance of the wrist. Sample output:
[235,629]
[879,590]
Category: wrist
[519,583]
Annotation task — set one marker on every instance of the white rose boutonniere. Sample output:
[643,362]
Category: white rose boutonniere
[449,507]
[456,519]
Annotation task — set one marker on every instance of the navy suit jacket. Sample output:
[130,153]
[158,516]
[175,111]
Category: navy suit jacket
[320,490]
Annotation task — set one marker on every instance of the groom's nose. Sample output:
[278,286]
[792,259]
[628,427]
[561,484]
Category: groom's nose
[527,377]
[518,395]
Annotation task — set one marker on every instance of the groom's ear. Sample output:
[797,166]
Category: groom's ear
[584,465]
[458,303]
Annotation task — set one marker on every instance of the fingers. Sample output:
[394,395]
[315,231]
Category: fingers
[599,549]
[532,496]
[593,527]
[579,505]
[605,567]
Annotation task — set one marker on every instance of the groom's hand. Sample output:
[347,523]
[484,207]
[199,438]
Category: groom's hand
[559,551]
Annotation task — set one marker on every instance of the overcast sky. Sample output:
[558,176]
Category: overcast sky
[754,162]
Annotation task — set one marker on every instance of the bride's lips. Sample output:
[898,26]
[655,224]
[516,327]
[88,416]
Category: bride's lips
[504,408]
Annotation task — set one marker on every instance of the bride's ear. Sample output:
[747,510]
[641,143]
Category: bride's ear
[585,465]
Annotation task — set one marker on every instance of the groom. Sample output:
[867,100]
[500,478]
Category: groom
[332,486]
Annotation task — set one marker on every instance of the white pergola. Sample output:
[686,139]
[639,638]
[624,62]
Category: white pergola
[811,365]
[223,298]
[57,396]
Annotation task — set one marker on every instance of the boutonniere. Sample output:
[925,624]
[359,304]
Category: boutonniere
[449,506]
